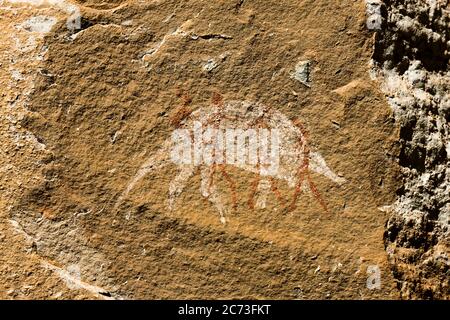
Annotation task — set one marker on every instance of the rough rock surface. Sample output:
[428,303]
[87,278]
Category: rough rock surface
[87,109]
[411,60]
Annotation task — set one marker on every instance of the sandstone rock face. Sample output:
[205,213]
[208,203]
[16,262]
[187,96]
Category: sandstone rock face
[94,205]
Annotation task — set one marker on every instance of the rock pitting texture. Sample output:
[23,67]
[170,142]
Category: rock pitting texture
[411,60]
[83,111]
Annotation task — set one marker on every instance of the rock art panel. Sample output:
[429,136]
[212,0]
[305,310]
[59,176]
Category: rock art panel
[195,149]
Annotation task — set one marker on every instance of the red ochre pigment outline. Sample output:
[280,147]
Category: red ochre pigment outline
[303,172]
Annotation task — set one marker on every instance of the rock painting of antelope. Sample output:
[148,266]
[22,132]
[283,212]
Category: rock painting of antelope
[243,134]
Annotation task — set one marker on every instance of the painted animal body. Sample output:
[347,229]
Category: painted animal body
[296,160]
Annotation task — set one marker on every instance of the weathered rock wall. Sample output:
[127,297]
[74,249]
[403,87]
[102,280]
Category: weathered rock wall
[411,60]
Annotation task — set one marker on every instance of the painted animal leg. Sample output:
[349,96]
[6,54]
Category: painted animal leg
[231,183]
[255,184]
[209,191]
[178,183]
[298,187]
[274,188]
[304,180]
[316,192]
[263,191]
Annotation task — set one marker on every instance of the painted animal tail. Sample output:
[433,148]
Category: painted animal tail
[318,164]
